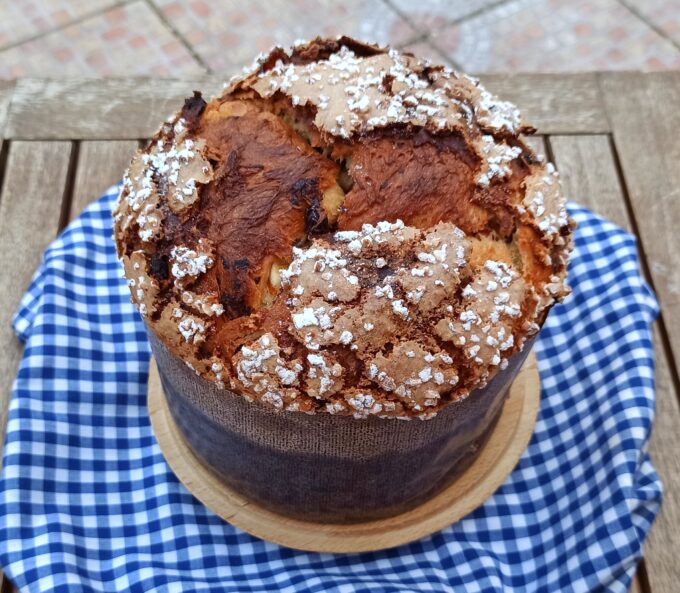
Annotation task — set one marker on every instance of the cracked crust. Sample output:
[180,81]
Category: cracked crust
[345,230]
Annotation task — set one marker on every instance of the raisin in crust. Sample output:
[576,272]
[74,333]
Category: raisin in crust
[346,230]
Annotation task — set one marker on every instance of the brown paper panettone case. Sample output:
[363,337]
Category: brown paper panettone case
[324,467]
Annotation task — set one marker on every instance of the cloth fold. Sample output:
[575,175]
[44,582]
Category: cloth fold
[88,504]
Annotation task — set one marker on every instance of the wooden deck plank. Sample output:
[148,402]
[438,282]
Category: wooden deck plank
[643,111]
[645,115]
[101,163]
[663,543]
[133,108]
[97,109]
[554,103]
[30,210]
[589,176]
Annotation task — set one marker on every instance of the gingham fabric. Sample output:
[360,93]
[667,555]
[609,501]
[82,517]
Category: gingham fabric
[87,502]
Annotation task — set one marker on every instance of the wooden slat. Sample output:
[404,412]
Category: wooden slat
[101,163]
[133,108]
[97,109]
[589,176]
[30,209]
[554,103]
[16,215]
[663,544]
[645,113]
[38,170]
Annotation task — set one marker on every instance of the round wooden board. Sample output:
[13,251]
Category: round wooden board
[497,459]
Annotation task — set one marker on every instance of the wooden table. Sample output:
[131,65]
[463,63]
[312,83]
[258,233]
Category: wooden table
[615,137]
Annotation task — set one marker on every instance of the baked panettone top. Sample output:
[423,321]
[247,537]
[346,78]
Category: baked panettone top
[345,230]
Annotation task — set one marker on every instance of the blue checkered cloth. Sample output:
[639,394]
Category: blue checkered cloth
[87,502]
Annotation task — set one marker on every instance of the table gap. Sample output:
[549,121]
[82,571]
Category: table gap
[642,578]
[67,196]
[4,151]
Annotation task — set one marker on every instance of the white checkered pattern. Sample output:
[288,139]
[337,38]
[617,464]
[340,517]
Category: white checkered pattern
[87,503]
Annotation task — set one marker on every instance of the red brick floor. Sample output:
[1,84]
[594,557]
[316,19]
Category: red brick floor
[95,38]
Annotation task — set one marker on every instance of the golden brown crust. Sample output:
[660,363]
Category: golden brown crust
[345,230]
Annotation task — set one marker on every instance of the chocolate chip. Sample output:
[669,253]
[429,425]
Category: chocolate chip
[233,306]
[159,267]
[384,272]
[306,189]
[316,222]
[387,81]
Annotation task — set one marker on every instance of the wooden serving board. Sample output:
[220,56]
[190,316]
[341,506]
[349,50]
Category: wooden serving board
[497,459]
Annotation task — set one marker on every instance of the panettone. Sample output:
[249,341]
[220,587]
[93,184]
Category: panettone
[346,236]
[345,230]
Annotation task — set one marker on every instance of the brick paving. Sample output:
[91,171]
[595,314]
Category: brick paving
[96,38]
[557,36]
[128,40]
